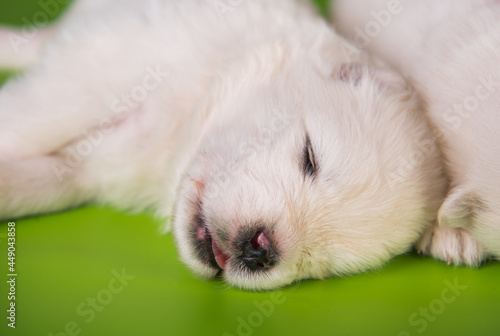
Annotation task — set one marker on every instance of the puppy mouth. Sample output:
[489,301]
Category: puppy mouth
[216,257]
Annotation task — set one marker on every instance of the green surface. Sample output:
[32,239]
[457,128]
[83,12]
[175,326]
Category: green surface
[65,260]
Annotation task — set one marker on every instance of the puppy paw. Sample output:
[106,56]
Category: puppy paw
[452,245]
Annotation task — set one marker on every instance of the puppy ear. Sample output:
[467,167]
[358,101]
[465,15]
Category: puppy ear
[385,78]
[458,209]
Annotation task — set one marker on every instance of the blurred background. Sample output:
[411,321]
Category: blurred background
[94,271]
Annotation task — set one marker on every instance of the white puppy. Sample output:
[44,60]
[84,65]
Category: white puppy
[285,160]
[450,49]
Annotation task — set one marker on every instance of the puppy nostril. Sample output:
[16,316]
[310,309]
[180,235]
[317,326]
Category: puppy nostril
[202,233]
[260,241]
[256,253]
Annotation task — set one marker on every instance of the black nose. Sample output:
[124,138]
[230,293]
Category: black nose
[258,252]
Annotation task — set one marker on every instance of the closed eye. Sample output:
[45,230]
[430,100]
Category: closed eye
[309,168]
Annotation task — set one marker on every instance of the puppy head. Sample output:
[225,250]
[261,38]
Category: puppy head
[305,169]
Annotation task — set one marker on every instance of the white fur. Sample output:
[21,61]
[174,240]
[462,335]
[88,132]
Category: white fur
[231,95]
[451,51]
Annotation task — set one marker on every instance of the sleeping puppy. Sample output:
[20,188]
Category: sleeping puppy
[450,50]
[278,158]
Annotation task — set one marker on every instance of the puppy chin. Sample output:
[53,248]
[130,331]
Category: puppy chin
[264,281]
[182,235]
[188,255]
[199,268]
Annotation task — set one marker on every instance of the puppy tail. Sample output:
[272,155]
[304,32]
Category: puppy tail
[21,47]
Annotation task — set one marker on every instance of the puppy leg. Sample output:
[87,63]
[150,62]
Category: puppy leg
[31,186]
[19,50]
[451,239]
[452,245]
[44,110]
[81,8]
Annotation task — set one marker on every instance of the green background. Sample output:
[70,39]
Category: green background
[65,259]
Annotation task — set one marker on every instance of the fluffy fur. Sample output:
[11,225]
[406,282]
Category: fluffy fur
[234,119]
[450,50]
